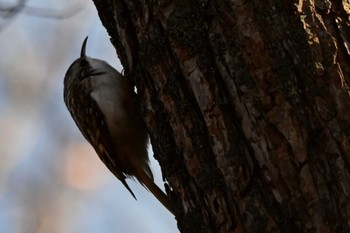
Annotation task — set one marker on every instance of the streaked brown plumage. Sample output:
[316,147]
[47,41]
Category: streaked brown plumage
[104,107]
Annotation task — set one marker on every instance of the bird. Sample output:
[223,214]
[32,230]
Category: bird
[105,108]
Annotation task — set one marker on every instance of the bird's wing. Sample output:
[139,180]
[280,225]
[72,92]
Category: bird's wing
[97,133]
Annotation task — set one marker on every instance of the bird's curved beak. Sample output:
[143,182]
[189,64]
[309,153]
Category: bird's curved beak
[83,47]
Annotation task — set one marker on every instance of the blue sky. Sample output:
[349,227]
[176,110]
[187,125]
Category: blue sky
[51,180]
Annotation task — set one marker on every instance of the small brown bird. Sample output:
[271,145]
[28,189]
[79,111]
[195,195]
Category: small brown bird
[105,108]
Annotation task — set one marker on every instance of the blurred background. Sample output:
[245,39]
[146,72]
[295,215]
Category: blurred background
[51,180]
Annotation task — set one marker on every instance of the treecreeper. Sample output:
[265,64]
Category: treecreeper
[105,108]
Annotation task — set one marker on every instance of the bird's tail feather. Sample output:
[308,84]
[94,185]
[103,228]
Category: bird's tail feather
[148,182]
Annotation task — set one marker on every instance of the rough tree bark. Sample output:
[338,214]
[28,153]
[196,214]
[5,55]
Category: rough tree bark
[247,105]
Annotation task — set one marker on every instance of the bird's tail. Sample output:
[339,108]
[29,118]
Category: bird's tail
[148,182]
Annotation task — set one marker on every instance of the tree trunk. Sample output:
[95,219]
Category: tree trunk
[247,105]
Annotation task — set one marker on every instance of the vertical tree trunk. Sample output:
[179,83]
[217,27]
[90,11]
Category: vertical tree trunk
[247,105]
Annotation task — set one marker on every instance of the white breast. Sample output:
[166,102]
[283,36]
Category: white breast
[108,94]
